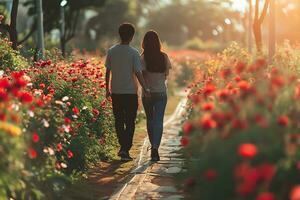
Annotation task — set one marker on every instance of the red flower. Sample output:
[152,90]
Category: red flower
[4,83]
[244,85]
[239,124]
[40,103]
[283,120]
[25,97]
[223,94]
[190,182]
[295,193]
[267,171]
[187,128]
[32,153]
[42,85]
[208,106]
[70,154]
[59,147]
[17,75]
[242,170]
[184,141]
[247,150]
[225,73]
[240,66]
[208,89]
[278,81]
[3,95]
[67,120]
[95,112]
[207,122]
[245,189]
[20,82]
[210,174]
[261,121]
[35,137]
[2,117]
[75,110]
[266,196]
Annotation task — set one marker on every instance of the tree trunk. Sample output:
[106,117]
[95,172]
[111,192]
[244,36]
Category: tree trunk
[257,35]
[250,22]
[272,31]
[258,21]
[13,34]
[63,45]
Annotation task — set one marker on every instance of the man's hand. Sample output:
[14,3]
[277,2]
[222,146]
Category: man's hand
[147,93]
[108,94]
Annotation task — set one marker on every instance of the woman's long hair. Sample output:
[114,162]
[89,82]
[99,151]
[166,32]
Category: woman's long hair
[154,57]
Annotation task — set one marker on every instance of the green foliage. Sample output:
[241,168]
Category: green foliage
[238,102]
[182,20]
[200,45]
[10,59]
[66,125]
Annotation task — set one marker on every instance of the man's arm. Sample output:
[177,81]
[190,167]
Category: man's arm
[142,81]
[107,81]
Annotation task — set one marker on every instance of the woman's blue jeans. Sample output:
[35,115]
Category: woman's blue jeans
[155,107]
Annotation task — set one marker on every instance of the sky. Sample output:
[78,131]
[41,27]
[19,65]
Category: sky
[240,4]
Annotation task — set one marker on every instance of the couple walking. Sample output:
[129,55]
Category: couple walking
[124,65]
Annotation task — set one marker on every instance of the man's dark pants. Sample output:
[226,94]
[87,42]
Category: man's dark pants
[125,110]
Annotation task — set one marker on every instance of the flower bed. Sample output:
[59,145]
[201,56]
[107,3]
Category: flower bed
[241,140]
[54,123]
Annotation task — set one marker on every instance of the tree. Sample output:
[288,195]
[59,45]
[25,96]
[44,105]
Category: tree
[108,17]
[52,16]
[181,20]
[258,20]
[11,29]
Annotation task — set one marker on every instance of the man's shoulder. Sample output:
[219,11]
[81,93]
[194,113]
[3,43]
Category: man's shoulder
[134,50]
[113,47]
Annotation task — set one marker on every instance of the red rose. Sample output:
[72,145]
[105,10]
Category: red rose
[75,110]
[25,97]
[208,122]
[209,88]
[184,141]
[70,154]
[266,196]
[210,174]
[35,137]
[67,120]
[187,128]
[247,150]
[208,106]
[283,120]
[59,147]
[32,153]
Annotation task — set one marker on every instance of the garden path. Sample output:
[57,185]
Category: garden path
[156,180]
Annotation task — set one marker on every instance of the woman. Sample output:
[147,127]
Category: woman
[156,69]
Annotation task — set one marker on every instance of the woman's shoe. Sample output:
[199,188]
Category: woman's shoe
[154,155]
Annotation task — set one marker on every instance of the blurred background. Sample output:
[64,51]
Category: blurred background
[193,24]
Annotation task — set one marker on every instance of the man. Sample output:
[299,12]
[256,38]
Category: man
[124,64]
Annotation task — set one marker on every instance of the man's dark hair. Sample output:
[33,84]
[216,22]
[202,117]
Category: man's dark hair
[126,31]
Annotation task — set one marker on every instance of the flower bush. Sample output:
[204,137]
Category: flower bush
[54,123]
[241,138]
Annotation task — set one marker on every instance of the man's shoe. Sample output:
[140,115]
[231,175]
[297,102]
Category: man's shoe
[154,155]
[121,152]
[126,157]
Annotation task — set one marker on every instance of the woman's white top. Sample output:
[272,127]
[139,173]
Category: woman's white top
[156,81]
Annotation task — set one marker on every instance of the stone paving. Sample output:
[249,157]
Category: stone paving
[156,180]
